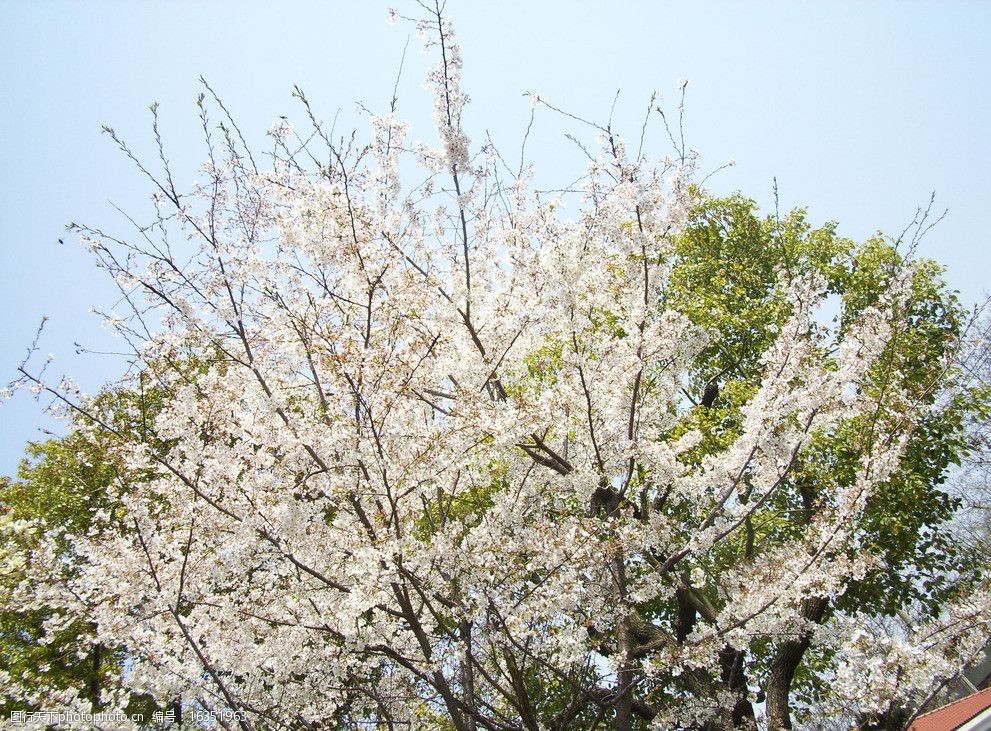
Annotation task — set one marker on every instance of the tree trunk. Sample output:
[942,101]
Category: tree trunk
[783,668]
[686,615]
[93,686]
[467,671]
[624,679]
[735,677]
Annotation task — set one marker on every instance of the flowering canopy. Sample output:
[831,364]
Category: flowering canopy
[445,457]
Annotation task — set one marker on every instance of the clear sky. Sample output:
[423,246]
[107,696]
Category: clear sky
[860,109]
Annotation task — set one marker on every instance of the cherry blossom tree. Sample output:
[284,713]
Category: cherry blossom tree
[449,455]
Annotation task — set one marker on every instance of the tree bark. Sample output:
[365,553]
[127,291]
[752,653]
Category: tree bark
[467,671]
[735,677]
[784,665]
[624,679]
[686,615]
[93,686]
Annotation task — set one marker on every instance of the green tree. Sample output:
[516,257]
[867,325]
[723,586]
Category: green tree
[65,486]
[728,262]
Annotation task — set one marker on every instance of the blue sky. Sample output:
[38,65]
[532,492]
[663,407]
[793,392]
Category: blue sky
[859,109]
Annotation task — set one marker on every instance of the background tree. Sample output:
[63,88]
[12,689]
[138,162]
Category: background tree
[45,654]
[728,259]
[972,484]
[66,486]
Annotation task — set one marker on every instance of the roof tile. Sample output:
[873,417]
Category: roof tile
[954,714]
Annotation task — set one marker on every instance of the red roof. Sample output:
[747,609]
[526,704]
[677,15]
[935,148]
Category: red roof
[953,715]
